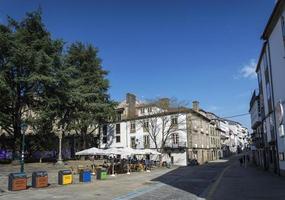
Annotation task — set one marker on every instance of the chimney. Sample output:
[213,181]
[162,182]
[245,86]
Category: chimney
[131,101]
[164,103]
[195,105]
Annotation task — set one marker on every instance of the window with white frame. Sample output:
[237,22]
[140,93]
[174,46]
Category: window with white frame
[145,126]
[133,127]
[149,109]
[118,133]
[175,138]
[174,122]
[142,110]
[146,141]
[133,142]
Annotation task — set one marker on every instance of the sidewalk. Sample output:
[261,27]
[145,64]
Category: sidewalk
[111,188]
[250,183]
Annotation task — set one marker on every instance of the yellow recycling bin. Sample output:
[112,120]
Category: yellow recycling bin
[65,177]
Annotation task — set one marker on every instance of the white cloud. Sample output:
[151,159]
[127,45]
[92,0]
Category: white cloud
[248,70]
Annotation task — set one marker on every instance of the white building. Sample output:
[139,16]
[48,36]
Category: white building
[181,133]
[271,71]
[135,128]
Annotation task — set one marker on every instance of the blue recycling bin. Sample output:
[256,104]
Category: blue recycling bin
[85,176]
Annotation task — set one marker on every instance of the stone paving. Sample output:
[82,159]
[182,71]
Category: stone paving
[51,168]
[250,183]
[191,183]
[113,187]
[221,180]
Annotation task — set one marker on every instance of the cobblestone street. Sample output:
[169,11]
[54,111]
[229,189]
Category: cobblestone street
[222,179]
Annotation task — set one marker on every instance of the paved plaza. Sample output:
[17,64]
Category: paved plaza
[223,179]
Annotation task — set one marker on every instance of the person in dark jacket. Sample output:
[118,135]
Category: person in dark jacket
[241,161]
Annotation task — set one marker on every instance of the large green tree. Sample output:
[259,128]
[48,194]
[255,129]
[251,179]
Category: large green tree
[28,59]
[50,90]
[92,105]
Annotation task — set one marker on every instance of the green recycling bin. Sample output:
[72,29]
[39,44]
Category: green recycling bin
[102,174]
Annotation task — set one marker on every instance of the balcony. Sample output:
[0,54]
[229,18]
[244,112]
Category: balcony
[179,145]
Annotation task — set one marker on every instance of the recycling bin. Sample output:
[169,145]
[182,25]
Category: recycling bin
[65,177]
[39,179]
[85,176]
[101,174]
[17,181]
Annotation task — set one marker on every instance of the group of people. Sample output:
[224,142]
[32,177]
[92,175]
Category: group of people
[243,160]
[122,165]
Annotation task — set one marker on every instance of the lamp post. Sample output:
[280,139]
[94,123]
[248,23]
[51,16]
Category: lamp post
[24,127]
[59,159]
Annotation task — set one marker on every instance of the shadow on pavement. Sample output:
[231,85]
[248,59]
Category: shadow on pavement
[193,179]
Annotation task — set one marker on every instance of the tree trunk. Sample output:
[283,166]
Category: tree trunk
[84,137]
[17,135]
[84,141]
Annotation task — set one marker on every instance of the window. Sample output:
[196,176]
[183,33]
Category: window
[133,127]
[118,133]
[145,126]
[259,77]
[149,109]
[146,141]
[142,110]
[211,130]
[133,142]
[174,122]
[105,128]
[175,138]
[268,91]
[118,116]
[265,60]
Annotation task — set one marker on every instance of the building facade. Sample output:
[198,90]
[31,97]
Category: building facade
[270,71]
[181,134]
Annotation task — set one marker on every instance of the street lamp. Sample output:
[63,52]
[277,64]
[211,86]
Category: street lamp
[24,127]
[59,134]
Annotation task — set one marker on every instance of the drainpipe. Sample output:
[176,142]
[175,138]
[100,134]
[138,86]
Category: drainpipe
[273,102]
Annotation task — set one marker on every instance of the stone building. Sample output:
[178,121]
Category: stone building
[180,133]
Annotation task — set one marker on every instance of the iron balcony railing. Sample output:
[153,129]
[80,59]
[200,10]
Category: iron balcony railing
[175,145]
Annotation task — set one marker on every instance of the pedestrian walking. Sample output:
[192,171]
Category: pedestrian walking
[241,161]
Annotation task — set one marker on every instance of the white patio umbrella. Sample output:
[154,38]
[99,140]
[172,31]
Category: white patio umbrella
[125,151]
[91,152]
[150,151]
[120,151]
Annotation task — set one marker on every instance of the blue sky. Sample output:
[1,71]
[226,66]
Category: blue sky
[191,50]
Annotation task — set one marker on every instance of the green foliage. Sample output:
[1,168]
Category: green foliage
[89,90]
[42,86]
[28,57]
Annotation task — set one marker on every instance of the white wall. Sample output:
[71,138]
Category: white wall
[277,53]
[179,158]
